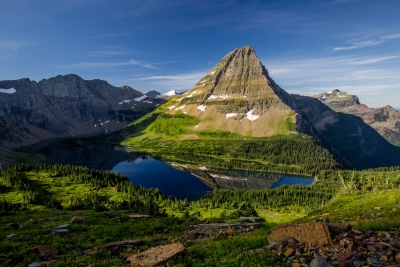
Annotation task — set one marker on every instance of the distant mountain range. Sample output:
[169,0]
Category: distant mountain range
[236,100]
[66,106]
[385,121]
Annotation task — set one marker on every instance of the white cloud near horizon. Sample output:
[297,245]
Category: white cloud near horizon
[165,83]
[99,64]
[355,44]
[365,76]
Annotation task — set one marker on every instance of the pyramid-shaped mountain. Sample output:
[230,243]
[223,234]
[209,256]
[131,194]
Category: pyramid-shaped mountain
[238,100]
[238,96]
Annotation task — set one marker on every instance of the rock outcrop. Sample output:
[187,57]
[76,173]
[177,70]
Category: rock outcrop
[238,96]
[157,256]
[334,245]
[386,120]
[65,106]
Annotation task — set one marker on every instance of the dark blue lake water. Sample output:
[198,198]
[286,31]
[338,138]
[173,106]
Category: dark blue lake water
[173,179]
[195,183]
[172,182]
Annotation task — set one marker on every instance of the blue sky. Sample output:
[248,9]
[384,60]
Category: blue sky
[309,46]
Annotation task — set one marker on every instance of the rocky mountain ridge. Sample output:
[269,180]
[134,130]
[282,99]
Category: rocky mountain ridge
[385,120]
[66,106]
[238,97]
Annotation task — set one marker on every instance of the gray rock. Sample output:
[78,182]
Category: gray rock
[11,236]
[61,231]
[61,226]
[271,246]
[37,264]
[319,261]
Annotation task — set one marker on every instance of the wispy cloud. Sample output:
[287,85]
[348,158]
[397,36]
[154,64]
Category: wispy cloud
[112,64]
[365,76]
[355,44]
[164,83]
[373,60]
[392,36]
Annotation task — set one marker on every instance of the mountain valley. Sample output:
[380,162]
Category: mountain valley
[236,130]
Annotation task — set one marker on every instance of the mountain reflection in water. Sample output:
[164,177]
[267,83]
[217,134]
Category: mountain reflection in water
[173,179]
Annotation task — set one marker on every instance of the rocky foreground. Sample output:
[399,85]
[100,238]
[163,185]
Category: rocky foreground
[299,245]
[326,244]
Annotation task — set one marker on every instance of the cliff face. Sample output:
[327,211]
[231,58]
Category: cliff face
[238,96]
[353,141]
[386,120]
[65,106]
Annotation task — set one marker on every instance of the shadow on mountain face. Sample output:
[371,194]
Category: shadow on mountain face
[93,156]
[347,136]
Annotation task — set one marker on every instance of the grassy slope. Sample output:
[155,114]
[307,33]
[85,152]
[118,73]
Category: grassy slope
[174,137]
[368,207]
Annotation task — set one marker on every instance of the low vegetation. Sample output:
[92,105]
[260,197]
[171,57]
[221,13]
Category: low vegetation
[368,199]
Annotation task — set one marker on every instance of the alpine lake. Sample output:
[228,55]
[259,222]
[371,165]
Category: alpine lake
[181,180]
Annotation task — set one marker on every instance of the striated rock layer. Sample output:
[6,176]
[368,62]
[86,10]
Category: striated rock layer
[238,96]
[65,106]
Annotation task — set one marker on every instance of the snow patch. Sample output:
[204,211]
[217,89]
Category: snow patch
[138,99]
[157,105]
[202,107]
[203,168]
[219,96]
[101,123]
[171,108]
[146,101]
[95,125]
[171,93]
[106,121]
[8,91]
[212,72]
[250,116]
[230,115]
[197,126]
[180,108]
[193,93]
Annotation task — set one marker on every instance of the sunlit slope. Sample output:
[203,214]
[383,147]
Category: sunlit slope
[237,96]
[235,116]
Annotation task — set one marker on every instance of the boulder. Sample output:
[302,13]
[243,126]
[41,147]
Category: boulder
[77,220]
[156,256]
[319,261]
[312,233]
[45,251]
[37,264]
[61,229]
[349,259]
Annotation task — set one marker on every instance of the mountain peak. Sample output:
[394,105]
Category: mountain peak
[237,95]
[336,98]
